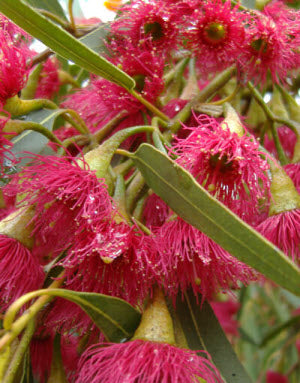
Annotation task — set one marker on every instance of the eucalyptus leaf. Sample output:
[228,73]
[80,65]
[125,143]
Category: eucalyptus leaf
[116,318]
[62,42]
[291,322]
[196,206]
[52,6]
[203,332]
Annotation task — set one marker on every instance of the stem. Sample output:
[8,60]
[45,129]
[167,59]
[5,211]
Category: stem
[55,18]
[18,107]
[157,122]
[19,353]
[228,98]
[149,106]
[19,127]
[123,167]
[72,22]
[15,328]
[217,83]
[80,126]
[293,125]
[41,57]
[107,128]
[279,148]
[133,190]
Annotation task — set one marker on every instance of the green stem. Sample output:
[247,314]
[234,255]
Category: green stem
[157,122]
[19,353]
[17,107]
[19,127]
[149,106]
[58,20]
[70,9]
[107,128]
[80,124]
[281,155]
[133,190]
[293,125]
[15,328]
[217,83]
[124,167]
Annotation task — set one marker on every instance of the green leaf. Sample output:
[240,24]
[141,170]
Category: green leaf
[196,206]
[62,42]
[116,318]
[34,142]
[52,6]
[203,332]
[95,39]
[57,373]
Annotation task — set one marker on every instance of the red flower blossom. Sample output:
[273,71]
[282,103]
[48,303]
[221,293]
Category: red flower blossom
[13,71]
[12,31]
[147,24]
[102,100]
[20,271]
[270,47]
[143,361]
[114,259]
[283,230]
[216,35]
[48,83]
[229,166]
[188,258]
[67,196]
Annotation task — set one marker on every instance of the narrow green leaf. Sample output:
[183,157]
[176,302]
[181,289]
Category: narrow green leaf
[57,373]
[203,332]
[116,318]
[197,207]
[62,42]
[52,6]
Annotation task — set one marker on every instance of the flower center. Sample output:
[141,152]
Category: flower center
[154,29]
[220,164]
[260,45]
[214,33]
[140,82]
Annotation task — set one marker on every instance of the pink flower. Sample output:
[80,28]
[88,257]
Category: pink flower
[49,83]
[102,100]
[283,230]
[229,166]
[271,47]
[216,35]
[147,24]
[275,377]
[67,196]
[114,259]
[13,32]
[188,258]
[13,71]
[143,361]
[20,271]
